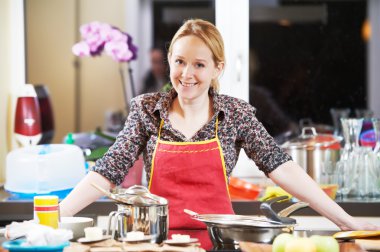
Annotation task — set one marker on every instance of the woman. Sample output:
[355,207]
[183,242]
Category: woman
[191,138]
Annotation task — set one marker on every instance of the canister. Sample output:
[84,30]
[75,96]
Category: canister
[46,210]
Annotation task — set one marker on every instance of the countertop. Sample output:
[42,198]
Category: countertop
[16,210]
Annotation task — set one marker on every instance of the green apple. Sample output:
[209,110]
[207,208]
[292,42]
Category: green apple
[300,245]
[280,242]
[325,243]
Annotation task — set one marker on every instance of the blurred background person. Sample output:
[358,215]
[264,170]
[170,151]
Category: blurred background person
[157,76]
[274,118]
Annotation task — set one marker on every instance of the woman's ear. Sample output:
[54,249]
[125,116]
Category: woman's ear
[218,69]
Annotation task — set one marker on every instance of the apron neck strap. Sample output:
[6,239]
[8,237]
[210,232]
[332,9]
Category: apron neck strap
[216,127]
[159,130]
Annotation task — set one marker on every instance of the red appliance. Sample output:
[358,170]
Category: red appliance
[27,125]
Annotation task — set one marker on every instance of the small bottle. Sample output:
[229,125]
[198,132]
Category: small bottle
[46,210]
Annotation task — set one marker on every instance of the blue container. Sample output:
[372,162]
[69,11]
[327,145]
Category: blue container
[20,245]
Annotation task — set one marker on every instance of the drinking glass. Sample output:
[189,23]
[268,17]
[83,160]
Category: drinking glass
[376,128]
[337,114]
[351,132]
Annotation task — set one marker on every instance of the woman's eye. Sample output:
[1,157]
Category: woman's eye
[178,61]
[199,65]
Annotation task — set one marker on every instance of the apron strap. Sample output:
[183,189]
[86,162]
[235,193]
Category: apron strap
[216,127]
[159,130]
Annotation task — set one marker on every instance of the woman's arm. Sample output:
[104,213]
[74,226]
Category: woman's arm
[84,194]
[292,178]
[111,169]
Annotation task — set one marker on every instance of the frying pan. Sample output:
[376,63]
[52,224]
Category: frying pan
[227,230]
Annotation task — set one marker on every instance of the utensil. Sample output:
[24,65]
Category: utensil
[227,230]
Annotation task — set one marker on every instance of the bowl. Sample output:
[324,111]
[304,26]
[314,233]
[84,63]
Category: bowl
[76,224]
[19,245]
[330,190]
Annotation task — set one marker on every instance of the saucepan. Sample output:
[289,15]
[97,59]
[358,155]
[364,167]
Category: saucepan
[227,230]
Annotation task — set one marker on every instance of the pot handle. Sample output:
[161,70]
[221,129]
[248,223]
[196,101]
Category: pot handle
[306,130]
[266,208]
[292,208]
[137,189]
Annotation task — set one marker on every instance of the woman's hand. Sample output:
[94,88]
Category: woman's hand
[358,224]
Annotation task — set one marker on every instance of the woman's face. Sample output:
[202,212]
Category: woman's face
[192,67]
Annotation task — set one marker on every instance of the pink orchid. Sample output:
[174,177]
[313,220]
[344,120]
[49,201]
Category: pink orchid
[99,36]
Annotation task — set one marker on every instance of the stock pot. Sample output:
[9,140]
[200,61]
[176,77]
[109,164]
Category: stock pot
[138,210]
[314,152]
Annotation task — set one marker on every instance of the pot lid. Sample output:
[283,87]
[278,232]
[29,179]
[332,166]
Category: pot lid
[138,196]
[232,220]
[309,138]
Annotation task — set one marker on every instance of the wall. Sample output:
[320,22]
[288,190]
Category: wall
[52,29]
[12,68]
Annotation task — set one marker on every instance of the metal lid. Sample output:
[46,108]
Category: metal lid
[310,139]
[139,196]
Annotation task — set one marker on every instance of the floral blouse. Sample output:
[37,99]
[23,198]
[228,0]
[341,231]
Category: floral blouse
[238,128]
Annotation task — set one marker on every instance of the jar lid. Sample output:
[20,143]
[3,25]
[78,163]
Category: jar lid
[310,139]
[139,196]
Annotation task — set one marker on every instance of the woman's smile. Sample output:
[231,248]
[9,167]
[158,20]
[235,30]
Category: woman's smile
[187,84]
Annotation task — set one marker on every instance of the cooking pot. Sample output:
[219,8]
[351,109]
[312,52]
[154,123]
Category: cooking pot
[312,151]
[138,210]
[227,230]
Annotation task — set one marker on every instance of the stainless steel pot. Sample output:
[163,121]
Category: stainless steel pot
[138,210]
[313,151]
[227,230]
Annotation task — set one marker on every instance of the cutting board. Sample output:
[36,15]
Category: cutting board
[346,235]
[258,247]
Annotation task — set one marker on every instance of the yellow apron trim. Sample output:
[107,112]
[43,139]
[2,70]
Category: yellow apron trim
[154,154]
[189,151]
[224,165]
[188,143]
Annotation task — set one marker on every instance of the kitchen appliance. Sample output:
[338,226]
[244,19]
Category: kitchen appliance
[43,169]
[314,152]
[138,210]
[46,113]
[27,125]
[227,230]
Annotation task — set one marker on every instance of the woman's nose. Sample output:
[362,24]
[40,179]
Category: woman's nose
[187,71]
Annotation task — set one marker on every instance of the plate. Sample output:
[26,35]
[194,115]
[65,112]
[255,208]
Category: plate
[146,238]
[86,240]
[176,242]
[19,245]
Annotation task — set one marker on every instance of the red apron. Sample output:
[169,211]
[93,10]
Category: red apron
[191,175]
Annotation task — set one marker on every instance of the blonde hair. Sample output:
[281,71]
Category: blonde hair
[209,34]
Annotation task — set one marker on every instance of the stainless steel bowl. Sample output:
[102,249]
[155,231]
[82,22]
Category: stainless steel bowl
[229,236]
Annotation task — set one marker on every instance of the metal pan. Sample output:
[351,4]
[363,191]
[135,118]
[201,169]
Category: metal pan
[227,230]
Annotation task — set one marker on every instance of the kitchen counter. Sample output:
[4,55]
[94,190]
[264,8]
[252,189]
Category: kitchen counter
[17,210]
